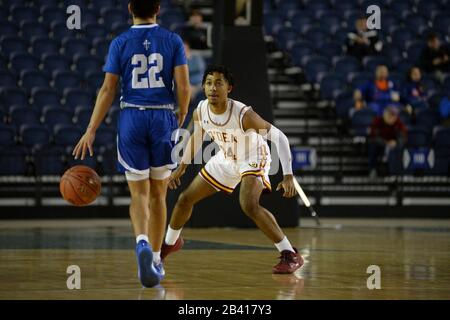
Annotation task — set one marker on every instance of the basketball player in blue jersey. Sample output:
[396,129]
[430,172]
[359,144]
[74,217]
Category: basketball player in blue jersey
[147,59]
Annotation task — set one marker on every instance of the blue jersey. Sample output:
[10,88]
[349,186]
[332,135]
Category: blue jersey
[145,57]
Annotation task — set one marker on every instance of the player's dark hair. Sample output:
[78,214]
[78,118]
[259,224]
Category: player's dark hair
[144,8]
[431,36]
[219,69]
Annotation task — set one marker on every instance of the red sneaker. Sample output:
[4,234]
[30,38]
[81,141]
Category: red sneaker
[289,262]
[166,249]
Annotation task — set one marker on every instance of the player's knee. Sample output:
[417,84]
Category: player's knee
[141,198]
[250,207]
[185,199]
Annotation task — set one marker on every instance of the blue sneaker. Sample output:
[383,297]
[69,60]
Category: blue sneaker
[160,269]
[147,273]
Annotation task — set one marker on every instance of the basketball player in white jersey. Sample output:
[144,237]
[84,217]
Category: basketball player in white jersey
[244,157]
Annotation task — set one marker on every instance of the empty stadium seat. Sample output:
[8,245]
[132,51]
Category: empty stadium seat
[20,115]
[110,15]
[314,66]
[53,14]
[87,63]
[34,134]
[7,79]
[331,86]
[66,79]
[53,62]
[30,79]
[345,65]
[87,161]
[32,29]
[42,45]
[13,160]
[45,96]
[370,63]
[95,30]
[7,135]
[417,137]
[427,119]
[48,160]
[82,116]
[94,80]
[13,95]
[22,13]
[361,121]
[300,20]
[300,50]
[13,44]
[52,116]
[108,160]
[72,46]
[344,102]
[21,61]
[66,135]
[105,136]
[76,97]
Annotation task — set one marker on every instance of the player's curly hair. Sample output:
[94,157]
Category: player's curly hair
[219,69]
[144,8]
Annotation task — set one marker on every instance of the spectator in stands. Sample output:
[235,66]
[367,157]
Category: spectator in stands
[195,31]
[444,110]
[435,57]
[377,94]
[387,134]
[197,67]
[363,42]
[413,93]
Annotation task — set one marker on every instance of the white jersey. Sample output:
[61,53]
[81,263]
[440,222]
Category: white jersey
[227,131]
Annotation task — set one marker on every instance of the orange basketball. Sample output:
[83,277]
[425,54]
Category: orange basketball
[80,185]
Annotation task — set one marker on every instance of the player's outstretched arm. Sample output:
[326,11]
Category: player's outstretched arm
[252,120]
[181,75]
[192,147]
[104,100]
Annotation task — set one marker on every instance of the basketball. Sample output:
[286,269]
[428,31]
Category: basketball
[80,185]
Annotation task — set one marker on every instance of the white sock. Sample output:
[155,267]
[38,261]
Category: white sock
[141,237]
[157,257]
[284,245]
[172,236]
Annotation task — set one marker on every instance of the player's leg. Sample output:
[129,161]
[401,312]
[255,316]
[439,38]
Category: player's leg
[158,209]
[251,189]
[198,190]
[139,206]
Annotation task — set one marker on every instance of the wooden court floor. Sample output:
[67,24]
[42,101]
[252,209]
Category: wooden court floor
[413,258]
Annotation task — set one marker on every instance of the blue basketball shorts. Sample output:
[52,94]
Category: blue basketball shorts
[144,143]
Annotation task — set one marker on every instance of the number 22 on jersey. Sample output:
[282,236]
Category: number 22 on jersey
[152,66]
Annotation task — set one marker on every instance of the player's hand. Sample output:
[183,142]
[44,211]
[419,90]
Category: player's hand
[174,179]
[288,186]
[85,143]
[180,117]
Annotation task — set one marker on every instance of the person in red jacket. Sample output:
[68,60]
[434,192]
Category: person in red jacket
[387,134]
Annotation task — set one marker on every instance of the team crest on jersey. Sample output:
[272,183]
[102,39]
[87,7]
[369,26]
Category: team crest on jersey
[253,165]
[146,44]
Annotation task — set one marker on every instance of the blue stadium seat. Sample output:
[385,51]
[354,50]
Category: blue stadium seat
[344,102]
[77,97]
[66,79]
[331,86]
[285,38]
[72,46]
[417,137]
[302,19]
[13,95]
[48,160]
[300,50]
[317,5]
[330,49]
[87,161]
[403,66]
[357,79]
[98,5]
[55,62]
[34,134]
[415,21]
[13,44]
[87,63]
[7,135]
[22,13]
[20,115]
[7,79]
[370,63]
[83,4]
[60,31]
[42,45]
[113,117]
[441,22]
[22,61]
[82,116]
[430,83]
[101,47]
[414,50]
[13,161]
[345,65]
[66,135]
[288,5]
[108,157]
[168,19]
[405,117]
[316,34]
[400,5]
[41,3]
[342,5]
[330,21]
[53,116]
[8,28]
[95,30]
[31,29]
[427,119]
[361,121]
[401,36]
[30,79]
[89,16]
[94,80]
[428,6]
[53,14]
[45,96]
[272,22]
[390,21]
[441,138]
[315,66]
[119,27]
[105,136]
